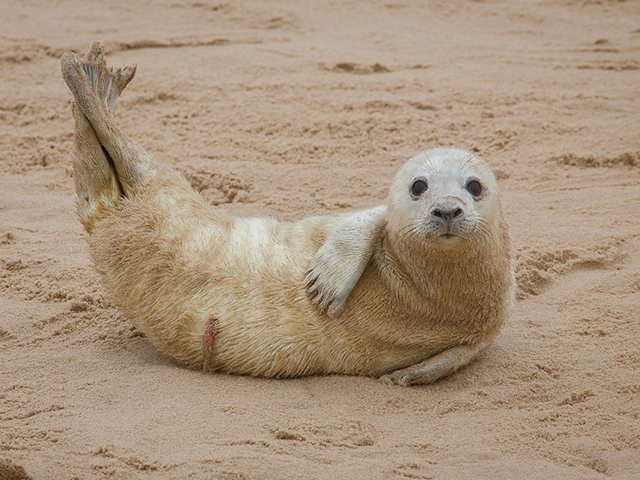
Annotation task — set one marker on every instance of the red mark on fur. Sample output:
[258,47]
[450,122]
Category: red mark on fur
[207,344]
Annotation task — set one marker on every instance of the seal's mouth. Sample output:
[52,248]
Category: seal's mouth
[447,236]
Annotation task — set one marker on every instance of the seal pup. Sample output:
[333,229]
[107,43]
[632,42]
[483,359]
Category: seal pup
[409,291]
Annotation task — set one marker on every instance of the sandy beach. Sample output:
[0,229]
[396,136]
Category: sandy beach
[296,108]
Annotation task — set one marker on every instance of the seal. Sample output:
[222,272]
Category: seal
[409,291]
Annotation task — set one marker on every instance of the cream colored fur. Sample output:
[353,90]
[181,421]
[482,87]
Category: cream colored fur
[366,293]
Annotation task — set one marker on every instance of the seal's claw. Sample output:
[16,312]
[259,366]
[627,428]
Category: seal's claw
[324,294]
[310,281]
[327,300]
[394,378]
[335,308]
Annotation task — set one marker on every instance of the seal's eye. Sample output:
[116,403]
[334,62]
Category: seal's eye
[474,187]
[419,187]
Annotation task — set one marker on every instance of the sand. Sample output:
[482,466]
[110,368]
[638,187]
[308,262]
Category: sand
[292,108]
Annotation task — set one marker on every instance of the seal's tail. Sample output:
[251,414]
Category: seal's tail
[108,165]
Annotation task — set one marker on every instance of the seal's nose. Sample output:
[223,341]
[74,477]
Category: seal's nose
[446,213]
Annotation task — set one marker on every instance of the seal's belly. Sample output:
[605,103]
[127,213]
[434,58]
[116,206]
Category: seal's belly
[270,328]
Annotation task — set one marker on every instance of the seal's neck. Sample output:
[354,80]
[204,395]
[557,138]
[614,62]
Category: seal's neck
[420,273]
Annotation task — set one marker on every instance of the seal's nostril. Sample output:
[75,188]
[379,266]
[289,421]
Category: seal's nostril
[446,214]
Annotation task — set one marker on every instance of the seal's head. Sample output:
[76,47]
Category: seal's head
[442,198]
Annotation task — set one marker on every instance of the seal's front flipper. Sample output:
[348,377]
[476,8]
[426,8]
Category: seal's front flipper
[336,268]
[438,366]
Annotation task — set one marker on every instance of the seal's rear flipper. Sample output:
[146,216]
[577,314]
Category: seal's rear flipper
[96,180]
[95,88]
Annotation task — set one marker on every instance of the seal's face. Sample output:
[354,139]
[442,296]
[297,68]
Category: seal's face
[444,196]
